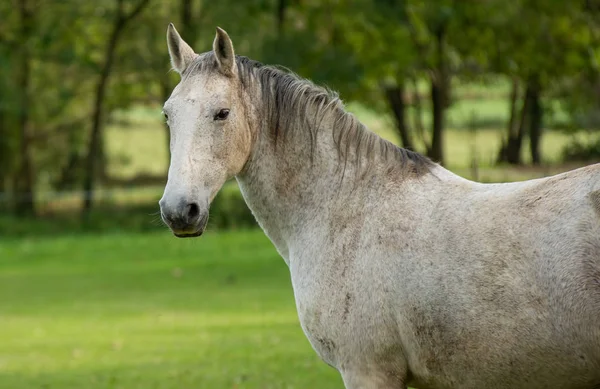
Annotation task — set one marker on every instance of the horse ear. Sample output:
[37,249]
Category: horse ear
[223,48]
[181,53]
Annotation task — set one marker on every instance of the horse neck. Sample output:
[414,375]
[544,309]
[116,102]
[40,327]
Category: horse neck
[288,191]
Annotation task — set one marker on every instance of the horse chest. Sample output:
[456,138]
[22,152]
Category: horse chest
[325,313]
[322,335]
[338,320]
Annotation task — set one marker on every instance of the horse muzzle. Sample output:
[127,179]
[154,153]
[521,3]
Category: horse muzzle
[185,219]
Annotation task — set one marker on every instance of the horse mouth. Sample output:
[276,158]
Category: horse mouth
[188,234]
[185,229]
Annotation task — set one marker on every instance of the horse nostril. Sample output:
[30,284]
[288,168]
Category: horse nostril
[192,211]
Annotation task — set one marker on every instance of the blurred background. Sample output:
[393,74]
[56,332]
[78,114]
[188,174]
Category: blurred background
[94,291]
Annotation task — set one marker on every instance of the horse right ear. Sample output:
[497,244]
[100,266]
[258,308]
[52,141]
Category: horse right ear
[181,53]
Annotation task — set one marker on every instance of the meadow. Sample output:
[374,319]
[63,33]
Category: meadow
[137,311]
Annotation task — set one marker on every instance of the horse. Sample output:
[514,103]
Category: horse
[404,273]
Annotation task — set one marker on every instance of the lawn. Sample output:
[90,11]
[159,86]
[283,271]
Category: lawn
[151,311]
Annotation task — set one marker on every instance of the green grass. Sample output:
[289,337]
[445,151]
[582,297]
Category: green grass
[151,311]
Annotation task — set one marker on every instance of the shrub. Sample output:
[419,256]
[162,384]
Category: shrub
[113,215]
[582,151]
[229,210]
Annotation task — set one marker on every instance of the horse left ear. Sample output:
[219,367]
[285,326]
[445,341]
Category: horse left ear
[181,53]
[223,48]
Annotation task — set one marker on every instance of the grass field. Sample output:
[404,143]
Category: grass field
[151,311]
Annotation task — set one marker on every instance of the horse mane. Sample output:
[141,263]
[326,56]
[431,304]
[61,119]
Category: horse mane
[296,104]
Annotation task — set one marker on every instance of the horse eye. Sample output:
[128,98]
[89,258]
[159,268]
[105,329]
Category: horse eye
[222,115]
[166,116]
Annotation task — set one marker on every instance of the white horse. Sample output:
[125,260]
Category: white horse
[403,273]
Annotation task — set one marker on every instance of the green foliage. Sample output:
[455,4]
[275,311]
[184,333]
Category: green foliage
[229,210]
[579,151]
[352,46]
[125,213]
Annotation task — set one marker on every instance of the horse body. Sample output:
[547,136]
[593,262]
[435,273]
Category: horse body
[403,273]
[446,283]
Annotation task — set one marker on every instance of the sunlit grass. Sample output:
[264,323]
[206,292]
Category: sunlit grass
[150,311]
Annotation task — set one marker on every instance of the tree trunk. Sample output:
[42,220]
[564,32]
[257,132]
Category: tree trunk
[418,113]
[436,150]
[94,145]
[439,97]
[5,149]
[97,117]
[23,181]
[512,129]
[281,8]
[535,124]
[395,97]
[68,174]
[187,21]
[5,157]
[513,150]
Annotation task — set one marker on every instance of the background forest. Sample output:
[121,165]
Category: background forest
[477,85]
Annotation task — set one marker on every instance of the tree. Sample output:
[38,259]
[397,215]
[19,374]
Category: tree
[23,180]
[37,51]
[552,45]
[120,22]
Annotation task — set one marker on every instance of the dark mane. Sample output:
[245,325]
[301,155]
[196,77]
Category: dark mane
[296,104]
